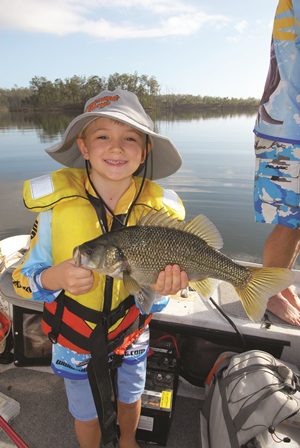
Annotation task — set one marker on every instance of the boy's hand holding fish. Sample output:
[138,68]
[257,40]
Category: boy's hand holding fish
[66,275]
[171,280]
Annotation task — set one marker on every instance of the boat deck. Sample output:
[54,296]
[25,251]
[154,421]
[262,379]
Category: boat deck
[44,420]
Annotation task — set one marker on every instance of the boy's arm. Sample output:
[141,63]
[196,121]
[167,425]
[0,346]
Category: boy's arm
[26,277]
[37,278]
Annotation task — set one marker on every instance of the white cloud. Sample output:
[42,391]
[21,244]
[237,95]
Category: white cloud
[233,39]
[157,6]
[93,17]
[241,26]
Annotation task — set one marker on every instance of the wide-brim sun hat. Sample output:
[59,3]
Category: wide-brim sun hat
[123,106]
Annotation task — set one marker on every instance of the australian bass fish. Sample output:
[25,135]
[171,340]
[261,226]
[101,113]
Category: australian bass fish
[138,253]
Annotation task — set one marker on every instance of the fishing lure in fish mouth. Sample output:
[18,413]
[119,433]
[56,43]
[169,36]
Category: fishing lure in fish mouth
[137,254]
[77,256]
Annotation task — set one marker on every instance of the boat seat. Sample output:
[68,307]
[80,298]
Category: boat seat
[8,293]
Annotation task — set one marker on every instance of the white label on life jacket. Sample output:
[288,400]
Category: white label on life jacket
[41,186]
[171,199]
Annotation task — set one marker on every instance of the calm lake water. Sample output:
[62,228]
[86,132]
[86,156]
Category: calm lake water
[216,177]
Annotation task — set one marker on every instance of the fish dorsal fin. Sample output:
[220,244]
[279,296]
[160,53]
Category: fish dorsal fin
[160,218]
[200,226]
[205,229]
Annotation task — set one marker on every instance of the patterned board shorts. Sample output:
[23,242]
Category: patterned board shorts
[277,183]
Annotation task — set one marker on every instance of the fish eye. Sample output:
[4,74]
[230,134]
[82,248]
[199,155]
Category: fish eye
[89,252]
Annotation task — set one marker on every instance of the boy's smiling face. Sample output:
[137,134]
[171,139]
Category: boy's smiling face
[114,150]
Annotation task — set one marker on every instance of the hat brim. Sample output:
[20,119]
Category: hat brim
[164,159]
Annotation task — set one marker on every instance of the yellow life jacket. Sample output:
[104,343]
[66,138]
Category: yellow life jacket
[74,221]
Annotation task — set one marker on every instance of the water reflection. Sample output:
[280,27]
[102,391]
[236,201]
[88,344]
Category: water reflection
[54,123]
[169,115]
[48,125]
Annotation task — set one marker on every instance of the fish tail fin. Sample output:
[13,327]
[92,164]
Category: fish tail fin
[265,283]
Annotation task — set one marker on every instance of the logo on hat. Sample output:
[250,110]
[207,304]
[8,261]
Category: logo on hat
[100,103]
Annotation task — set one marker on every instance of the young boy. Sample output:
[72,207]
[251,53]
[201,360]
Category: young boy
[114,140]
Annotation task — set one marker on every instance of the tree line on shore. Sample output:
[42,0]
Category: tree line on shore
[72,93]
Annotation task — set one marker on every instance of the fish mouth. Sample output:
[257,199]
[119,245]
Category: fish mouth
[77,256]
[81,259]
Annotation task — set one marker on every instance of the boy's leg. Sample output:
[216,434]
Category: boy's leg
[128,416]
[88,433]
[82,408]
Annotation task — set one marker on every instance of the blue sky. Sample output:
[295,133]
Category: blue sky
[202,47]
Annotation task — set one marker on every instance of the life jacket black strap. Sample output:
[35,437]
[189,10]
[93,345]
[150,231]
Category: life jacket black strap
[98,369]
[57,318]
[101,384]
[99,209]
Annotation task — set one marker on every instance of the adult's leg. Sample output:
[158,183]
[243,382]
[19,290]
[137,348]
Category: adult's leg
[88,433]
[282,247]
[281,250]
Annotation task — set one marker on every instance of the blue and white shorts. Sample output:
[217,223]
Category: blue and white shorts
[277,183]
[131,378]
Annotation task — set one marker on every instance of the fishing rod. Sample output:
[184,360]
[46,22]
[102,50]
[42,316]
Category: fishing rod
[18,441]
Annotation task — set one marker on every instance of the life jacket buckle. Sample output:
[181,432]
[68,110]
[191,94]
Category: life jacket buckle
[52,337]
[115,361]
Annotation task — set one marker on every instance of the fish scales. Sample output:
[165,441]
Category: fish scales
[151,248]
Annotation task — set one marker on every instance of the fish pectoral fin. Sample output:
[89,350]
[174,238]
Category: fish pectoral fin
[205,287]
[130,284]
[265,283]
[145,296]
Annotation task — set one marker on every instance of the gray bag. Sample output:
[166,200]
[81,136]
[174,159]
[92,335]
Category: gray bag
[248,395]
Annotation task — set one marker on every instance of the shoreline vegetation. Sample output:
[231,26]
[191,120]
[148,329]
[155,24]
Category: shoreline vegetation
[71,94]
